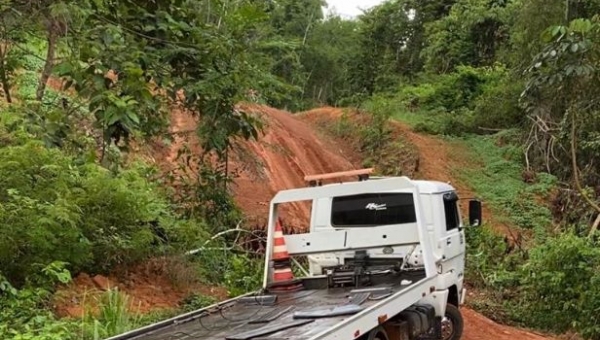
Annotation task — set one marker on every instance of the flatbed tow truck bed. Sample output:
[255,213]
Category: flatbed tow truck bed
[236,319]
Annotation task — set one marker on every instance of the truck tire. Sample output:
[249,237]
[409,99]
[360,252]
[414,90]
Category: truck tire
[378,333]
[452,324]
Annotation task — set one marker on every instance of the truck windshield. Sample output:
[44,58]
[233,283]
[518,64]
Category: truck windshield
[373,210]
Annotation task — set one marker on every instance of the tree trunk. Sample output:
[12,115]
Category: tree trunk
[49,65]
[3,73]
[5,86]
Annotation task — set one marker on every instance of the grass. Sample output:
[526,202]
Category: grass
[412,119]
[497,177]
[493,168]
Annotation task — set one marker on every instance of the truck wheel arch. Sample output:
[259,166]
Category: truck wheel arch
[453,297]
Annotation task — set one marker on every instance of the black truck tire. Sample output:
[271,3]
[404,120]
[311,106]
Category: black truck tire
[452,325]
[378,333]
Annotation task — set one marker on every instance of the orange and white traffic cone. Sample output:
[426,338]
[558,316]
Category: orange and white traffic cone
[283,277]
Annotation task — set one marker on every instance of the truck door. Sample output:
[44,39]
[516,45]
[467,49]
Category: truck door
[454,241]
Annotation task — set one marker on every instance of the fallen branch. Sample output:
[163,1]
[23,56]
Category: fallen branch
[216,236]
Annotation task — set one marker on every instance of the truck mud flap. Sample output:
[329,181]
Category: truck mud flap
[330,312]
[267,330]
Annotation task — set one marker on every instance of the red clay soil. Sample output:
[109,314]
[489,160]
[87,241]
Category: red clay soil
[478,327]
[147,290]
[437,162]
[288,149]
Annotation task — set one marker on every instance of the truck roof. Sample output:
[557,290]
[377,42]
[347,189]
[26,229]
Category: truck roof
[433,187]
[425,187]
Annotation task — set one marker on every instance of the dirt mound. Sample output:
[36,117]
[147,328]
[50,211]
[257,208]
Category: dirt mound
[392,155]
[148,287]
[287,150]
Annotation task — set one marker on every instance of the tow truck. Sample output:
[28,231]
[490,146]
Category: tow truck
[386,261]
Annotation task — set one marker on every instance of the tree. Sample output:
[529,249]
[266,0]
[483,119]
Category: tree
[561,102]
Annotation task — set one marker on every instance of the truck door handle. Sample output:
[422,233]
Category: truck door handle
[448,242]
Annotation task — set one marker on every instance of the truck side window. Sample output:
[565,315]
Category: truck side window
[451,211]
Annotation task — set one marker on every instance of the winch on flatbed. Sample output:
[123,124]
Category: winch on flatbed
[386,262]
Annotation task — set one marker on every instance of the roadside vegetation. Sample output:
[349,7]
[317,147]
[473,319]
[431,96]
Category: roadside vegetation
[87,83]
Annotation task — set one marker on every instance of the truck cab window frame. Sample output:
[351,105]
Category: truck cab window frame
[451,211]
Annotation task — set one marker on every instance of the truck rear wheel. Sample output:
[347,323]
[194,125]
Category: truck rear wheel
[452,324]
[378,333]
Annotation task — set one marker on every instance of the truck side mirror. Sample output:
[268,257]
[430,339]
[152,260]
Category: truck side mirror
[475,213]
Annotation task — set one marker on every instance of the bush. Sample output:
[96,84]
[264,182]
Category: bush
[114,316]
[53,210]
[238,273]
[498,106]
[560,286]
[23,315]
[464,101]
[195,302]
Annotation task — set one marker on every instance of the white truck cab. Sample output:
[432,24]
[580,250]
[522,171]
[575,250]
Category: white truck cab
[442,219]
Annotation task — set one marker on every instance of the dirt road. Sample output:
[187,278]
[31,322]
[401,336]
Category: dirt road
[478,327]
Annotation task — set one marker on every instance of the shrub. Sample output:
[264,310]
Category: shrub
[195,302]
[498,105]
[463,101]
[114,316]
[244,275]
[559,285]
[23,315]
[53,210]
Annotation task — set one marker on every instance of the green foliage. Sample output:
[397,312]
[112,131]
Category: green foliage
[203,193]
[486,258]
[561,91]
[330,50]
[113,317]
[460,89]
[514,199]
[470,34]
[557,286]
[196,301]
[458,103]
[23,315]
[53,210]
[375,135]
[244,275]
[239,273]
